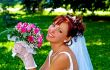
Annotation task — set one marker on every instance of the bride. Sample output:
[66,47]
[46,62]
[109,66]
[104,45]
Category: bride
[68,47]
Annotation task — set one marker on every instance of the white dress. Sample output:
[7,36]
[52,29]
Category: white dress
[71,62]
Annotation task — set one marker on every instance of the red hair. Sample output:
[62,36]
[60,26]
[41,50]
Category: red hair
[75,26]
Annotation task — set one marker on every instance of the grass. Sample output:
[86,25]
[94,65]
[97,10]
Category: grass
[97,36]
[98,42]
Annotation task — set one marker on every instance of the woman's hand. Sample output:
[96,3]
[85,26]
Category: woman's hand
[24,55]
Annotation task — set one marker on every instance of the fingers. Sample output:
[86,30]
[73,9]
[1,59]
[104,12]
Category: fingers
[17,48]
[20,50]
[21,43]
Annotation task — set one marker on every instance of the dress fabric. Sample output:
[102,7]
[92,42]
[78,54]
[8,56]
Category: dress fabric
[71,62]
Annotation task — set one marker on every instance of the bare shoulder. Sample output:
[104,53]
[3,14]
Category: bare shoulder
[60,62]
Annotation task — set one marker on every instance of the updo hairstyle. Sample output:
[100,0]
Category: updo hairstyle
[75,24]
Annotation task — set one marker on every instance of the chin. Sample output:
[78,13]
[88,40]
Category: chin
[50,39]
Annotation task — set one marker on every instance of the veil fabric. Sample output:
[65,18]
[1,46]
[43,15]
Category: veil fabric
[80,50]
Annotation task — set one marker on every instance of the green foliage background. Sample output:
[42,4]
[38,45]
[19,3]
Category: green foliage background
[97,36]
[97,31]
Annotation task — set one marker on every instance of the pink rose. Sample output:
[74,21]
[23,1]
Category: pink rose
[30,39]
[19,25]
[36,30]
[39,45]
[23,30]
[39,41]
[29,28]
[32,25]
[25,24]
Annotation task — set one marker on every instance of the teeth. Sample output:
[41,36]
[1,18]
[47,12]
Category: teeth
[50,35]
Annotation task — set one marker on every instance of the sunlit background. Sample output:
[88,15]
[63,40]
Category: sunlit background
[97,33]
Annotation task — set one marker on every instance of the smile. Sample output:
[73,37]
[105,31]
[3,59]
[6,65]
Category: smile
[50,35]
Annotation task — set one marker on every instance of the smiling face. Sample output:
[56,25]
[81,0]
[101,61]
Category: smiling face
[57,33]
[64,28]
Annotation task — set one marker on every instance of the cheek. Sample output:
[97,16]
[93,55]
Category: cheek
[60,37]
[57,38]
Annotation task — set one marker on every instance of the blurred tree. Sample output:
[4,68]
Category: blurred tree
[93,5]
[6,16]
[31,5]
[81,5]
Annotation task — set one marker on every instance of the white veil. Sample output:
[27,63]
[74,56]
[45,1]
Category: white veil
[79,48]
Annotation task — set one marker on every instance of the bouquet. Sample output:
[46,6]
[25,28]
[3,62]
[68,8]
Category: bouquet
[27,33]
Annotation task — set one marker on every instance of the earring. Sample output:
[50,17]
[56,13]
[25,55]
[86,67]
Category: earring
[65,41]
[70,42]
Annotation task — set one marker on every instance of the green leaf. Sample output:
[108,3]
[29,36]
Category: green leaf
[25,34]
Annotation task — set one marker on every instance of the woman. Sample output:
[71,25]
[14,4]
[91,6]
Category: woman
[60,35]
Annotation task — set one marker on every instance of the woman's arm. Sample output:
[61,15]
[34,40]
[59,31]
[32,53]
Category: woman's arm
[25,56]
[45,66]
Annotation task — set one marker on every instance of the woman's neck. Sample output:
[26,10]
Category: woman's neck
[56,46]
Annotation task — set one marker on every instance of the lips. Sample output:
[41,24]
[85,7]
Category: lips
[50,35]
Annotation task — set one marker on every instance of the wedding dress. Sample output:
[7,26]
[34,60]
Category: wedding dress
[70,59]
[80,50]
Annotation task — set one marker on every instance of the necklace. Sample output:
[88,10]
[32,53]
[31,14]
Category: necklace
[57,51]
[53,54]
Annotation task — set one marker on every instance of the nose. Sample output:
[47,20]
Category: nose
[52,29]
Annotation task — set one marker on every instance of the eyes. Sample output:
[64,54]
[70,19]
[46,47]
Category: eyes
[58,29]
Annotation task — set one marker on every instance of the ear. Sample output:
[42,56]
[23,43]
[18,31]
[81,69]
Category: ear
[68,39]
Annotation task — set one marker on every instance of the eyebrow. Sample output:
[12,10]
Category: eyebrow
[62,31]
